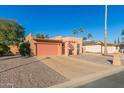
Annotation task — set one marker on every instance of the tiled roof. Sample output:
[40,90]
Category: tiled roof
[47,40]
[92,43]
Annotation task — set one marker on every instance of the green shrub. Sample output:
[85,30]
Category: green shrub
[4,49]
[24,49]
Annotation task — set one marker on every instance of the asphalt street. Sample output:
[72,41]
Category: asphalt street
[113,81]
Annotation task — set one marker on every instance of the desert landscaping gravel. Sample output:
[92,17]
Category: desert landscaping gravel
[19,72]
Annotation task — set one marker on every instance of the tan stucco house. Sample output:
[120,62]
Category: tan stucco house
[54,46]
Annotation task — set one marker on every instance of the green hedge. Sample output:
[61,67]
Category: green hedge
[4,49]
[24,49]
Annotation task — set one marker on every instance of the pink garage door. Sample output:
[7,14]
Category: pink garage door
[45,49]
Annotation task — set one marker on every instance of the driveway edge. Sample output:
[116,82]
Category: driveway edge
[89,78]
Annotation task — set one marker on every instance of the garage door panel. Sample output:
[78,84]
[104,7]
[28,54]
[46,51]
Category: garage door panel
[47,49]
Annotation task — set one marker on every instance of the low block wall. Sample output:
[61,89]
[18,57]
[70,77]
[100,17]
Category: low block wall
[100,49]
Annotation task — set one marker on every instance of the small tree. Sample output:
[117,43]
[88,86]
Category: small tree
[25,49]
[11,32]
[4,49]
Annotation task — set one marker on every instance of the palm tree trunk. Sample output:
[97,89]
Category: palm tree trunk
[105,32]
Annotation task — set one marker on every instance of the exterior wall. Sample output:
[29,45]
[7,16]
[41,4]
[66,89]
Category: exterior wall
[13,49]
[111,49]
[71,45]
[29,39]
[121,48]
[99,49]
[93,48]
[60,49]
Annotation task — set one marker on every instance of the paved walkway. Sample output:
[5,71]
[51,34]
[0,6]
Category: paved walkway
[27,72]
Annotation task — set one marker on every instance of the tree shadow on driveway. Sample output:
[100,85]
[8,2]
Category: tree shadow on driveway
[11,57]
[23,64]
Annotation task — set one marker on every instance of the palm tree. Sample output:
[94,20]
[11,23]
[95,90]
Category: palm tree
[105,32]
[74,31]
[81,29]
[122,34]
[89,35]
[84,38]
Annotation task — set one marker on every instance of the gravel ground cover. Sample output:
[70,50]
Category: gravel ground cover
[19,72]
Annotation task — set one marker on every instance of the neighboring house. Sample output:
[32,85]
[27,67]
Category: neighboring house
[54,46]
[121,46]
[98,47]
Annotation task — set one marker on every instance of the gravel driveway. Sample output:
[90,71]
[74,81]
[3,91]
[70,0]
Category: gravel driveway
[29,72]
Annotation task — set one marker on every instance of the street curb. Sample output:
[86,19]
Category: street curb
[89,78]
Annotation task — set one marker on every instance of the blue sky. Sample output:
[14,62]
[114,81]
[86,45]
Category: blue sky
[60,20]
